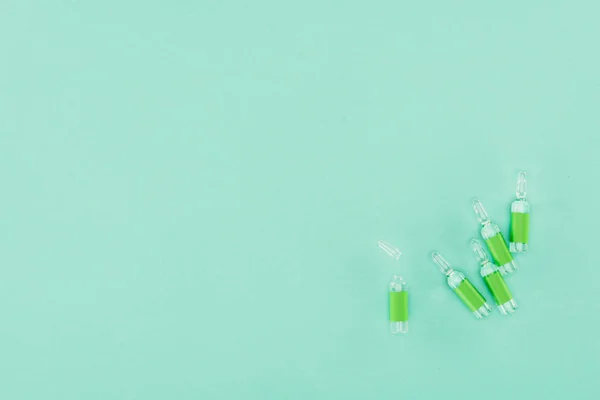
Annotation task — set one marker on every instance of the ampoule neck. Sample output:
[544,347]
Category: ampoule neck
[397,283]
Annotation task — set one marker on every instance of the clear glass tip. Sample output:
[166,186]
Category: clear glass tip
[480,253]
[389,249]
[521,185]
[442,263]
[482,215]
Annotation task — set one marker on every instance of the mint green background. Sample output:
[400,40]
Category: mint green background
[192,193]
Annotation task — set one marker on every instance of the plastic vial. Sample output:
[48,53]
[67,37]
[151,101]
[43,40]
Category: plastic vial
[494,240]
[398,295]
[493,280]
[519,217]
[463,288]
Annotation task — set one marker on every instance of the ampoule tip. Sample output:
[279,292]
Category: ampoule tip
[441,263]
[482,215]
[389,249]
[521,185]
[479,250]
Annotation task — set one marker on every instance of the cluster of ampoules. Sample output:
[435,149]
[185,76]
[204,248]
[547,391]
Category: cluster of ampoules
[492,272]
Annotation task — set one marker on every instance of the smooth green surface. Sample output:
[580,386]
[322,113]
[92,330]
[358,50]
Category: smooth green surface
[469,295]
[193,191]
[499,250]
[519,227]
[398,306]
[497,287]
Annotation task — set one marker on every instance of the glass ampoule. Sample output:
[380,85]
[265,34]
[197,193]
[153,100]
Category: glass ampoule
[494,240]
[398,295]
[463,288]
[519,217]
[493,280]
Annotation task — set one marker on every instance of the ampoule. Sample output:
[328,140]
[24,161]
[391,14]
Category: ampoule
[519,217]
[398,295]
[463,288]
[494,240]
[493,280]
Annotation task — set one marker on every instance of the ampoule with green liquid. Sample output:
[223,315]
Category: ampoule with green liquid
[463,288]
[398,295]
[493,280]
[519,217]
[494,240]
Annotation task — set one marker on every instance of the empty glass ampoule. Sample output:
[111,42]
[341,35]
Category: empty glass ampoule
[463,288]
[493,280]
[398,296]
[494,240]
[519,217]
